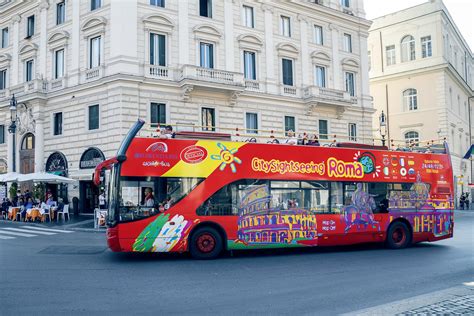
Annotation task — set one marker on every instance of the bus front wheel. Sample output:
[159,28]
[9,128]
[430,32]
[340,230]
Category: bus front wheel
[398,236]
[206,243]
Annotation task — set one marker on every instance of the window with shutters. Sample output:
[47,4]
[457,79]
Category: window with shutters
[157,49]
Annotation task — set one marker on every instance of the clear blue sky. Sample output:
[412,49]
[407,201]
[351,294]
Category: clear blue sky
[462,11]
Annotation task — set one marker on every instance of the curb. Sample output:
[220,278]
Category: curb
[64,226]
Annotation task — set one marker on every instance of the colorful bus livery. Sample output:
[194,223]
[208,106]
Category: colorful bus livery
[206,196]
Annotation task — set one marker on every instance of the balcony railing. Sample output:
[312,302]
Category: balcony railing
[158,72]
[93,73]
[252,85]
[57,84]
[289,90]
[211,75]
[326,93]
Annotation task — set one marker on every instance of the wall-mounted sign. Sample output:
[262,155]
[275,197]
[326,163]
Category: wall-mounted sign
[57,164]
[91,158]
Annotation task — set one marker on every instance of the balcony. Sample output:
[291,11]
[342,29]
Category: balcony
[192,77]
[291,91]
[92,74]
[159,72]
[57,84]
[33,86]
[318,96]
[326,95]
[211,77]
[252,85]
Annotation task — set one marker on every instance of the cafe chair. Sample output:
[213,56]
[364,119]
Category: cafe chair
[47,212]
[64,212]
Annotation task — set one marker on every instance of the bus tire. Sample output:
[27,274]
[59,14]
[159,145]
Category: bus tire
[398,236]
[205,243]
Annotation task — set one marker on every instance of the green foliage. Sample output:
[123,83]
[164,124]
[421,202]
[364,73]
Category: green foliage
[39,191]
[13,190]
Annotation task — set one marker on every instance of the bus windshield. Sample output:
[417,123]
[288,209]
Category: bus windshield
[141,197]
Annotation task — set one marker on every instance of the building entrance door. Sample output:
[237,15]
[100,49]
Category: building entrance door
[88,196]
[27,159]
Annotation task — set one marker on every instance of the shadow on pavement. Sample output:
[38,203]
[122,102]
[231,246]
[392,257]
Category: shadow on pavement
[258,253]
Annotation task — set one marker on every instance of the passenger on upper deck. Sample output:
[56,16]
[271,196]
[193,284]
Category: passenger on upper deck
[167,133]
[292,139]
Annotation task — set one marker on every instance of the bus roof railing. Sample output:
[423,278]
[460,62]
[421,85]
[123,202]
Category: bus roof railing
[239,134]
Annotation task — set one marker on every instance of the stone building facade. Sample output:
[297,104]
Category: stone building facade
[83,71]
[421,76]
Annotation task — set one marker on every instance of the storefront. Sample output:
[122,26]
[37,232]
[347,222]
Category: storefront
[88,192]
[57,164]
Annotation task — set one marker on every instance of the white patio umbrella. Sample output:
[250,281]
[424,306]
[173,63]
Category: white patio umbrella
[10,177]
[44,177]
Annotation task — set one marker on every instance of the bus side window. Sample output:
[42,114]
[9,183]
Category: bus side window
[337,202]
[379,191]
[223,202]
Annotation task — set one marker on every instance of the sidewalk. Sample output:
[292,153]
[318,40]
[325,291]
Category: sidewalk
[81,222]
[453,301]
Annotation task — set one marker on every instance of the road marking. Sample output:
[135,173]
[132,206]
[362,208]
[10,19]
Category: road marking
[47,229]
[6,237]
[29,231]
[17,234]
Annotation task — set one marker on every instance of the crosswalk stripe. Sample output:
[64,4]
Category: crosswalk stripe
[47,229]
[6,237]
[17,234]
[29,231]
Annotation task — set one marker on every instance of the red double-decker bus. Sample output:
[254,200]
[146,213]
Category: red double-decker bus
[208,196]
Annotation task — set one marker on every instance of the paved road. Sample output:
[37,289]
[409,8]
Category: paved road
[74,273]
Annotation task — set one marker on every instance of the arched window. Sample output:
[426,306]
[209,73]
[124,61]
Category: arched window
[412,137]
[408,48]
[28,142]
[410,99]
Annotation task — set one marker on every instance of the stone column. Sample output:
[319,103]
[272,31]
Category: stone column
[41,70]
[10,151]
[304,53]
[364,71]
[183,32]
[74,71]
[15,38]
[269,49]
[229,35]
[123,38]
[336,63]
[39,144]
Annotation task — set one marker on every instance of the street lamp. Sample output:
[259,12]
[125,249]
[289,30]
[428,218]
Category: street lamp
[383,127]
[12,128]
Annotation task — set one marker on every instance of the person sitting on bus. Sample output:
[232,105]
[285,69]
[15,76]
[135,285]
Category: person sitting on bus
[313,141]
[149,198]
[292,139]
[167,133]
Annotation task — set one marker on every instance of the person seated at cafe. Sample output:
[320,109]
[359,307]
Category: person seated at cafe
[5,206]
[27,206]
[50,201]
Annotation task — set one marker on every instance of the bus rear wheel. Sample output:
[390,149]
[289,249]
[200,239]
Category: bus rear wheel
[206,243]
[398,236]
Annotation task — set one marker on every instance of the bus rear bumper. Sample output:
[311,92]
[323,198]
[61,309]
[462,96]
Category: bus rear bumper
[113,239]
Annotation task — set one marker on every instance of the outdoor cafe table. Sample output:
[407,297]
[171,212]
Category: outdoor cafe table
[13,212]
[34,213]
